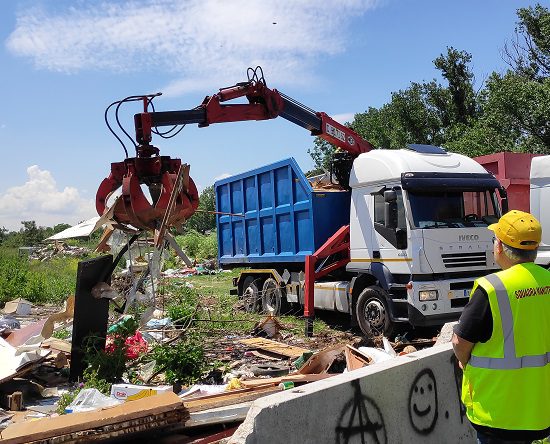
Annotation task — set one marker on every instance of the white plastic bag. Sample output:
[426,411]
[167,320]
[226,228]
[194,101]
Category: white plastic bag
[90,399]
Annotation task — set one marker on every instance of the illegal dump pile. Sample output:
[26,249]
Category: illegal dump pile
[157,352]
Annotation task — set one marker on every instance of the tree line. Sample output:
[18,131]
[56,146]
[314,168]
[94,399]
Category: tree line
[30,234]
[509,112]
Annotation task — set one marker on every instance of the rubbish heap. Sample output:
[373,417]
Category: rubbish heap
[146,342]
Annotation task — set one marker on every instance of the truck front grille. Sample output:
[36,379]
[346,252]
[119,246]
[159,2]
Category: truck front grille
[461,260]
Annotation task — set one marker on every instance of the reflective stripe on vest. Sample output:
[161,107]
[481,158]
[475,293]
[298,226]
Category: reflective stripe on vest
[510,361]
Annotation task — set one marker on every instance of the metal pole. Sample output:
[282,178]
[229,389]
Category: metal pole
[309,309]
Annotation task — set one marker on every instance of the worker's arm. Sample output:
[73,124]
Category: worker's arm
[462,349]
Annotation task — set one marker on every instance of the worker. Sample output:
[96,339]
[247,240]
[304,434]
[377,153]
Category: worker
[502,340]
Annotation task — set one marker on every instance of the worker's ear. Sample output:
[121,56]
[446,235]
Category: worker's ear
[498,245]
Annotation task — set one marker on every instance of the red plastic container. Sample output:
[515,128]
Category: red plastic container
[512,171]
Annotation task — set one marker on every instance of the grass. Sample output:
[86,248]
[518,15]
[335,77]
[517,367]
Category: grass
[38,282]
[219,310]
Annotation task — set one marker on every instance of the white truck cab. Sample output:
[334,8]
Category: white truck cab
[418,234]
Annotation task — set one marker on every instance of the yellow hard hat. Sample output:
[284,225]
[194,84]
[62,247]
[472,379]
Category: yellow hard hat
[518,229]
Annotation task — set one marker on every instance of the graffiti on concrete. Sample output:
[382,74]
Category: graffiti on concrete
[423,402]
[458,382]
[360,420]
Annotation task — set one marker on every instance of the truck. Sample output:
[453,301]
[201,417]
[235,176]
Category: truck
[539,198]
[401,241]
[416,221]
[526,178]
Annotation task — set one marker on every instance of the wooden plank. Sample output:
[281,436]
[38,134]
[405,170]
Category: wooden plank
[130,414]
[355,359]
[228,398]
[296,378]
[275,347]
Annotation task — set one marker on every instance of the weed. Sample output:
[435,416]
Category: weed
[199,246]
[183,362]
[109,364]
[39,282]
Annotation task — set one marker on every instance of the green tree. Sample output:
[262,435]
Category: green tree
[204,219]
[455,69]
[516,105]
[30,233]
[529,54]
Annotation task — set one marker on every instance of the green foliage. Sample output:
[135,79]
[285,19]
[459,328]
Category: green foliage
[110,363]
[204,219]
[48,281]
[183,361]
[30,234]
[529,54]
[61,334]
[510,112]
[182,305]
[199,246]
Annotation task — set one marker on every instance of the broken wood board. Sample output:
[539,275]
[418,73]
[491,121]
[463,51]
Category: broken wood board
[274,347]
[355,359]
[320,362]
[159,411]
[228,398]
[295,377]
[59,345]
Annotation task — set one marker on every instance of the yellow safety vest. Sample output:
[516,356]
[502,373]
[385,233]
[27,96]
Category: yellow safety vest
[506,384]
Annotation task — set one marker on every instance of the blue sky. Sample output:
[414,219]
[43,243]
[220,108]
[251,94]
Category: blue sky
[63,62]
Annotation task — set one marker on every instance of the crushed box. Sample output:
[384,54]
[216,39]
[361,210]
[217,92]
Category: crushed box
[131,392]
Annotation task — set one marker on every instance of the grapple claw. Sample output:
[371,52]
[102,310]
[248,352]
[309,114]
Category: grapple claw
[159,174]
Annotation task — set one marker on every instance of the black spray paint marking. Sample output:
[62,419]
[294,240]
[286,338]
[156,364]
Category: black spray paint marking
[458,382]
[360,420]
[423,402]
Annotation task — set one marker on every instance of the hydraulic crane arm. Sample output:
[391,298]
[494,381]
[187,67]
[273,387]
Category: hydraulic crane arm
[159,173]
[264,104]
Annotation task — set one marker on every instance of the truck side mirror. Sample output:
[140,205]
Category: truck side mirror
[390,209]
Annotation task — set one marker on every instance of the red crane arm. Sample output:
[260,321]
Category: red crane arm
[263,104]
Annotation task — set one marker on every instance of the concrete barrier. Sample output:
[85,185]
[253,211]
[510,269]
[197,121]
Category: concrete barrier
[411,399]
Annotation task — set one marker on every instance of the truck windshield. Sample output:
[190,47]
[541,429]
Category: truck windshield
[453,209]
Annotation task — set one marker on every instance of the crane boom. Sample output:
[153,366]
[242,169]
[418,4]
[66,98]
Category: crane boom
[159,172]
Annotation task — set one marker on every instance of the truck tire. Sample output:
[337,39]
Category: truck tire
[273,299]
[251,294]
[372,312]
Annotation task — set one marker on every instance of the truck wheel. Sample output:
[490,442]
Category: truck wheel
[251,294]
[273,299]
[372,312]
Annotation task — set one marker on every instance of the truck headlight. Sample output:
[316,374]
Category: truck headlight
[427,295]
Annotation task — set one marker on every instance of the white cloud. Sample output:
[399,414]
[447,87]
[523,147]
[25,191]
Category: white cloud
[199,41]
[344,117]
[40,200]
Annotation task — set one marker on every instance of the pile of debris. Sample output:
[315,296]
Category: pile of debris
[58,248]
[52,362]
[34,377]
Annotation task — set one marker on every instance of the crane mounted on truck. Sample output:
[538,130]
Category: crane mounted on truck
[408,249]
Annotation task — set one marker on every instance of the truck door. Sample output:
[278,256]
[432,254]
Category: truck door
[390,230]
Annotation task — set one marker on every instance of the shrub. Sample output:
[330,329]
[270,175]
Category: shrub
[199,246]
[183,362]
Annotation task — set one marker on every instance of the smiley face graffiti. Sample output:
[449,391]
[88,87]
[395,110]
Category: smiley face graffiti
[423,402]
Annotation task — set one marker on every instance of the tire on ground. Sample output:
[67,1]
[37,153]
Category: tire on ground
[273,298]
[372,312]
